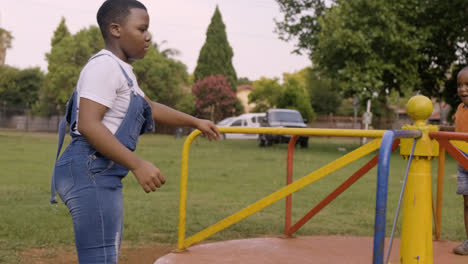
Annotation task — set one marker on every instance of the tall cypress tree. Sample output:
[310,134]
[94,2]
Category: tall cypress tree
[60,33]
[216,54]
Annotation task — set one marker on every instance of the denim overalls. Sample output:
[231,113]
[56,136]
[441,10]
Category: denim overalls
[90,184]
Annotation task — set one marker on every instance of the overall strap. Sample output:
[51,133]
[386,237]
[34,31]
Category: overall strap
[62,127]
[61,136]
[129,80]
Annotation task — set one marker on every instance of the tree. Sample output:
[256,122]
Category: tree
[379,45]
[68,55]
[20,87]
[266,94]
[216,54]
[446,45]
[325,94]
[294,96]
[162,78]
[301,22]
[243,81]
[60,33]
[214,98]
[5,43]
[167,52]
[374,52]
[269,93]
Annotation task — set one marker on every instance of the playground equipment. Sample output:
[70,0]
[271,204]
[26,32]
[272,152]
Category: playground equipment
[419,142]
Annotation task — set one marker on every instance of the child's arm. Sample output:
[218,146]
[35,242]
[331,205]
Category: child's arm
[91,127]
[169,116]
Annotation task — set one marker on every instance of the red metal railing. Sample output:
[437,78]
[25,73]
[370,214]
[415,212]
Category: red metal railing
[444,144]
[288,229]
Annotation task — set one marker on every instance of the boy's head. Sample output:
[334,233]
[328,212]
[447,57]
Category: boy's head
[115,11]
[462,85]
[124,27]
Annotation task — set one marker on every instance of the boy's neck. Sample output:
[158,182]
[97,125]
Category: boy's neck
[116,51]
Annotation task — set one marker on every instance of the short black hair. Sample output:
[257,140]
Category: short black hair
[115,11]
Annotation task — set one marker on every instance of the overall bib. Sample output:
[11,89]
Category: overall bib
[90,184]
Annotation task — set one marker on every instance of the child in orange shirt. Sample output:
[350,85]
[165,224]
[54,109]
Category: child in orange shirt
[461,125]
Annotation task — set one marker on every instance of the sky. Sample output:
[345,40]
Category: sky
[182,24]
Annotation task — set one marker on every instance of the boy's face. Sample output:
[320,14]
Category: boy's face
[134,36]
[462,86]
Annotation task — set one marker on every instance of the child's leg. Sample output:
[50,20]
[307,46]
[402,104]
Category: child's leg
[97,220]
[95,203]
[462,188]
[465,199]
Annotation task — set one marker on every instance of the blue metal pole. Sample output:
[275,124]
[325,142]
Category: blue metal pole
[382,187]
[381,201]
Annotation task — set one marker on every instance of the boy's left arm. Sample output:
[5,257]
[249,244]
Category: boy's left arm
[166,115]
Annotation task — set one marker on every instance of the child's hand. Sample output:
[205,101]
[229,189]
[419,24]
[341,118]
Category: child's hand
[208,129]
[148,176]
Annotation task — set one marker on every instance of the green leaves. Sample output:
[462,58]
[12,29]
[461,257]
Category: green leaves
[68,54]
[364,45]
[266,94]
[216,54]
[5,39]
[269,93]
[378,46]
[162,79]
[5,43]
[294,96]
[20,87]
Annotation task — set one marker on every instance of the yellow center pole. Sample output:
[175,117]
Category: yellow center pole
[416,235]
[416,230]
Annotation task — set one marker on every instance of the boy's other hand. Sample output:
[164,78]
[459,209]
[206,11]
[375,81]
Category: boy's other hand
[148,176]
[208,129]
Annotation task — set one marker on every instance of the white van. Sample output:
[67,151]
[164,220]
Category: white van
[244,120]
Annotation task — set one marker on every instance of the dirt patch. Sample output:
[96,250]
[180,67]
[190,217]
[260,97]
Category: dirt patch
[128,255]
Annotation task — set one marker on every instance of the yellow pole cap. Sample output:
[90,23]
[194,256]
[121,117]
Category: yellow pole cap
[419,109]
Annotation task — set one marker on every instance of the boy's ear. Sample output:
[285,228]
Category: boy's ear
[114,29]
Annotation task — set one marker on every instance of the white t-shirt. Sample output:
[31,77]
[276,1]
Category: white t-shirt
[103,82]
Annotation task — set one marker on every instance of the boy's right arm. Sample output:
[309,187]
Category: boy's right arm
[90,126]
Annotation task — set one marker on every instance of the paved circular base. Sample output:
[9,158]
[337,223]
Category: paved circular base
[315,249]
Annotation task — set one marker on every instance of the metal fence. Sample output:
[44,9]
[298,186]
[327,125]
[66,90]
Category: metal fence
[20,118]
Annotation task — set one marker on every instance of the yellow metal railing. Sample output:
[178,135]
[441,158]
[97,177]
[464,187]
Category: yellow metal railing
[462,145]
[281,193]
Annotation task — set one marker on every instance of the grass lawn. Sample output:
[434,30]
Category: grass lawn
[224,177]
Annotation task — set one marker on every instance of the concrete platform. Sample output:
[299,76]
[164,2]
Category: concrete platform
[308,249]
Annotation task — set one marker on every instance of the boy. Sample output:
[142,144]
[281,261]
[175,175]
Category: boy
[461,125]
[107,113]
